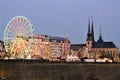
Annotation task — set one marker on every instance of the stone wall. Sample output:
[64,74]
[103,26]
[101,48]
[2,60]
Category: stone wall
[58,71]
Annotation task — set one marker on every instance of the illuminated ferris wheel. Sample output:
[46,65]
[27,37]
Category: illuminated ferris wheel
[18,37]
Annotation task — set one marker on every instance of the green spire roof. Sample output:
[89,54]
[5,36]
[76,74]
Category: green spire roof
[100,34]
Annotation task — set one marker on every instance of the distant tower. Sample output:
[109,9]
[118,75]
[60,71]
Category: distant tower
[100,40]
[90,36]
[92,32]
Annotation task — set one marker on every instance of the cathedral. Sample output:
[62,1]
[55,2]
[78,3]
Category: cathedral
[93,48]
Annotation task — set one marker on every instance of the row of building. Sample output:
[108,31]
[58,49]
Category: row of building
[53,47]
[50,46]
[61,47]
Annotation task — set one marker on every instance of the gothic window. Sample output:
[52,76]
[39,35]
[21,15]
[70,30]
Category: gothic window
[88,42]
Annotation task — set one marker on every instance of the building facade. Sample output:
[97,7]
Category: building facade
[60,46]
[46,46]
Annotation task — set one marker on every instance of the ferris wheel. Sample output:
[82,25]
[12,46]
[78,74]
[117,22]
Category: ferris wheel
[18,37]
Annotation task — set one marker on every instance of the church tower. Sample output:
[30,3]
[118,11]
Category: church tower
[90,36]
[88,33]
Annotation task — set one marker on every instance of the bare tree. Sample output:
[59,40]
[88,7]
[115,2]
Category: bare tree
[46,51]
[80,54]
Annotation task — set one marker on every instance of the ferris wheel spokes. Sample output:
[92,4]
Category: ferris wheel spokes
[18,37]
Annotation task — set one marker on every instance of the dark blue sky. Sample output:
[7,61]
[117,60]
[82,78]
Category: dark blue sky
[56,17]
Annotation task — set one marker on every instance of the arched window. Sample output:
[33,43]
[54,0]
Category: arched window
[88,42]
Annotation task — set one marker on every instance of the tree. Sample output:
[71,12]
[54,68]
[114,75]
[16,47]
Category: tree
[98,54]
[80,54]
[116,56]
[46,51]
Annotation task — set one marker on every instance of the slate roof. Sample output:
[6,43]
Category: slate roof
[2,43]
[76,47]
[104,45]
[57,38]
[101,44]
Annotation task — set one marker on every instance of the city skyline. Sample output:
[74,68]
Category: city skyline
[58,17]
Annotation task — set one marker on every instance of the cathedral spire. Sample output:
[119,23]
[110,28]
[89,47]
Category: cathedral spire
[100,34]
[100,40]
[92,31]
[89,26]
[88,33]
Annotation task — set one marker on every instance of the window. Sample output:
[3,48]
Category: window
[88,42]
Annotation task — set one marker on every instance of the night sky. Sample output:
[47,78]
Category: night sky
[56,17]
